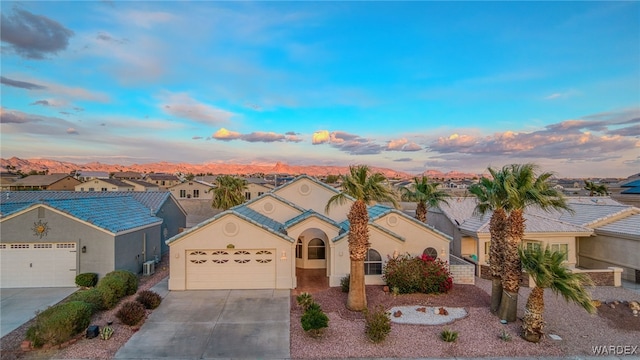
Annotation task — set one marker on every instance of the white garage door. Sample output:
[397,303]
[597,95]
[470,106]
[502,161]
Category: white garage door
[231,269]
[37,265]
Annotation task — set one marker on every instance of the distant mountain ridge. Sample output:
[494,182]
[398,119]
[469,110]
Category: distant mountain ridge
[55,166]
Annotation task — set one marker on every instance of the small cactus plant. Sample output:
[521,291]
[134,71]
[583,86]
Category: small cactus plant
[106,332]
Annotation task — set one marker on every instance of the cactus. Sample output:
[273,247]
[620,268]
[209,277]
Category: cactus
[106,332]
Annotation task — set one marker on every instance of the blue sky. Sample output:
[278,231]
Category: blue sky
[406,85]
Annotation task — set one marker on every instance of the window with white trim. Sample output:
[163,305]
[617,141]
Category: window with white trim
[299,249]
[532,245]
[563,248]
[196,193]
[316,249]
[373,263]
[183,193]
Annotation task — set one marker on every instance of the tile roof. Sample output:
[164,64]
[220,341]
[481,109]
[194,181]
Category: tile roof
[627,226]
[307,214]
[633,190]
[633,183]
[40,180]
[259,218]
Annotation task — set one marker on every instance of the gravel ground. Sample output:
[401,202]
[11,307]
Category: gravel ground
[478,332]
[425,315]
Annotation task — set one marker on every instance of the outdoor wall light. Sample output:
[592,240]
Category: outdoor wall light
[284,255]
[84,249]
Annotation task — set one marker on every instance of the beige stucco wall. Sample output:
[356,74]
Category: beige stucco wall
[310,195]
[98,185]
[275,209]
[309,229]
[543,239]
[189,186]
[602,251]
[248,236]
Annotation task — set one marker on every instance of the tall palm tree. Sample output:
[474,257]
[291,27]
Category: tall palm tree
[491,197]
[548,271]
[363,186]
[229,192]
[524,188]
[425,194]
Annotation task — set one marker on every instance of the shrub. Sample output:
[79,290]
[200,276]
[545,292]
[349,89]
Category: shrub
[129,278]
[109,297]
[504,335]
[149,299]
[131,312]
[449,335]
[92,297]
[87,280]
[59,323]
[314,320]
[115,284]
[344,283]
[304,300]
[106,332]
[378,324]
[417,274]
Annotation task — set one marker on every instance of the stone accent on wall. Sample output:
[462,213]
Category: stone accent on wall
[462,272]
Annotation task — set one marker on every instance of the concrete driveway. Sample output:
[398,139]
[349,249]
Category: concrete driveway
[17,306]
[214,324]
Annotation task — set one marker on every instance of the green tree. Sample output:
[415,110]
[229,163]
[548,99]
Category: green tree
[365,188]
[548,271]
[425,194]
[524,188]
[595,189]
[229,192]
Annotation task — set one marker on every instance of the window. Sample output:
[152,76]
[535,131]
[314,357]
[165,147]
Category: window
[163,183]
[183,193]
[247,196]
[92,189]
[196,193]
[532,245]
[316,250]
[373,263]
[260,193]
[299,249]
[103,189]
[487,247]
[563,248]
[431,252]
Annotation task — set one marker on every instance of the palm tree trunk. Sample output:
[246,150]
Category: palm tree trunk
[421,212]
[358,246]
[357,297]
[533,323]
[498,229]
[512,267]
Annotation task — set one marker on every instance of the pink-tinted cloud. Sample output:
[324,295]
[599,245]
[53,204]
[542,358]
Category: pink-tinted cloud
[349,143]
[256,136]
[183,106]
[226,135]
[402,145]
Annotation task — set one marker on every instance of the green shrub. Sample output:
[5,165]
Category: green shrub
[314,320]
[378,324]
[449,335]
[114,283]
[344,283]
[92,297]
[129,278]
[417,274]
[304,300]
[149,299]
[60,323]
[131,312]
[109,297]
[504,335]
[87,280]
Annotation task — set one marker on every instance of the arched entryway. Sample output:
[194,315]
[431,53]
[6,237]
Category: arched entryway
[312,259]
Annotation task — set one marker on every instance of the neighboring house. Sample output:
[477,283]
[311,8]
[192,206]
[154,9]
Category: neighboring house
[259,244]
[90,175]
[194,189]
[6,179]
[164,181]
[48,237]
[104,185]
[127,175]
[585,236]
[141,185]
[45,182]
[256,187]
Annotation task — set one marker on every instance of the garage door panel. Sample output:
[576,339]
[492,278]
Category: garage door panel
[231,269]
[37,265]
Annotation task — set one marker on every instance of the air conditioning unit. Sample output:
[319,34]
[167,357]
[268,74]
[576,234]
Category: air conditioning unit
[148,268]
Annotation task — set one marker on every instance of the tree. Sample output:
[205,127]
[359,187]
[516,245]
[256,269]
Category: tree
[491,196]
[595,189]
[524,188]
[365,188]
[229,192]
[425,194]
[548,271]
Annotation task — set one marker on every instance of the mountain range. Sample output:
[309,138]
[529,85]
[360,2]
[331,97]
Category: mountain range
[55,166]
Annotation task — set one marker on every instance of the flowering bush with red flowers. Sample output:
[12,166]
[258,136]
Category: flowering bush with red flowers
[411,274]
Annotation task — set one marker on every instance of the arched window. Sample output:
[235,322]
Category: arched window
[373,263]
[316,250]
[431,252]
[299,249]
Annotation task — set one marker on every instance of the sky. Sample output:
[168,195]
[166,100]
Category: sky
[411,86]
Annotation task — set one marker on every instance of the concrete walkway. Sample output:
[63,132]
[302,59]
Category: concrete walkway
[17,306]
[214,324]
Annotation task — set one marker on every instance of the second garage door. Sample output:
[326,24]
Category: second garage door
[37,265]
[231,269]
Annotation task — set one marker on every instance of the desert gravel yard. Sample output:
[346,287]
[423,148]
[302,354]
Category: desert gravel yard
[478,332]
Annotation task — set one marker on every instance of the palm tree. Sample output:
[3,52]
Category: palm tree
[229,192]
[363,186]
[491,197]
[425,194]
[548,271]
[595,189]
[524,189]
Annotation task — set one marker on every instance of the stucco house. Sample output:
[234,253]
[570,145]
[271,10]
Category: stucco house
[261,243]
[164,181]
[104,185]
[256,187]
[48,237]
[599,234]
[45,182]
[193,189]
[141,185]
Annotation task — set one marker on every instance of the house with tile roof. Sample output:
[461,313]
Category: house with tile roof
[585,235]
[52,182]
[104,185]
[263,242]
[141,185]
[48,237]
[193,189]
[164,181]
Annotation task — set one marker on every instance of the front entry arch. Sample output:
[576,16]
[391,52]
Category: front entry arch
[312,249]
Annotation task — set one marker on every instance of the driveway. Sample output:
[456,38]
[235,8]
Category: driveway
[214,324]
[17,306]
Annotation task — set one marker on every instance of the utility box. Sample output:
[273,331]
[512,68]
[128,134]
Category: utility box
[92,331]
[149,267]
